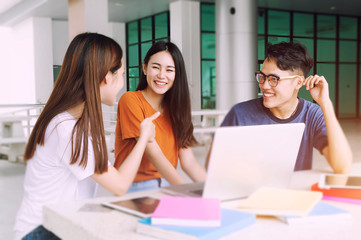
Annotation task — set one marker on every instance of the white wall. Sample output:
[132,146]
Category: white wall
[26,63]
[8,67]
[23,84]
[29,50]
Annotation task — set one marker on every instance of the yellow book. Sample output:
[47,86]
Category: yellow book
[280,202]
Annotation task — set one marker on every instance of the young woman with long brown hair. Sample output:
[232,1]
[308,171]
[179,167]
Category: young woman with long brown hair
[162,87]
[66,153]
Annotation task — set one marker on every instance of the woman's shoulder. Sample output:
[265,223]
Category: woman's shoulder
[64,123]
[131,96]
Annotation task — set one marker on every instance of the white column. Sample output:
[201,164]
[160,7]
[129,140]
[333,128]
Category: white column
[87,16]
[32,82]
[236,51]
[60,41]
[43,58]
[185,33]
[22,84]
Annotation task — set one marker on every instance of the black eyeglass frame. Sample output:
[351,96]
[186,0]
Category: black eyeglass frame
[272,82]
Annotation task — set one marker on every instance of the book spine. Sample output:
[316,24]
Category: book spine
[342,199]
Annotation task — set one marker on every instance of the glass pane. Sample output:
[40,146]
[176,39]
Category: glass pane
[260,21]
[162,39]
[305,94]
[261,47]
[326,50]
[279,23]
[348,27]
[359,99]
[208,17]
[145,47]
[146,29]
[56,71]
[348,51]
[347,90]
[133,32]
[133,83]
[161,25]
[274,40]
[133,57]
[208,46]
[308,42]
[329,71]
[208,84]
[326,26]
[303,24]
[133,72]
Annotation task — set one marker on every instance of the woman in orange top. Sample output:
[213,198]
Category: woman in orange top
[162,87]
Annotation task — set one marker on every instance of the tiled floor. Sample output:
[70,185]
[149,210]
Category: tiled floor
[12,175]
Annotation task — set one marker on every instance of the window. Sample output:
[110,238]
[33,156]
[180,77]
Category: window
[333,41]
[208,56]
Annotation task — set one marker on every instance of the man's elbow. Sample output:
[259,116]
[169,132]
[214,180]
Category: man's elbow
[344,168]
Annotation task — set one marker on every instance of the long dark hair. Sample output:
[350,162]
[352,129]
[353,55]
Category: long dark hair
[89,58]
[176,100]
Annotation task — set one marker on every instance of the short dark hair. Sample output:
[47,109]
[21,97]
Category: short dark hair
[290,56]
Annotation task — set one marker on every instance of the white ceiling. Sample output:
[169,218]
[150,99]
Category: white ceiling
[7,4]
[14,11]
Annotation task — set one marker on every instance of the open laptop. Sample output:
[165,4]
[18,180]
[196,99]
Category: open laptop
[244,158]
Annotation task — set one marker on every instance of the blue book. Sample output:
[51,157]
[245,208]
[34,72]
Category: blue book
[231,221]
[322,212]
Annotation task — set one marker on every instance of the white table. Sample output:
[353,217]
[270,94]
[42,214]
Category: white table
[69,222]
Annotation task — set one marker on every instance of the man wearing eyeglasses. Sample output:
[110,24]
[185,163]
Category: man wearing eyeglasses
[281,77]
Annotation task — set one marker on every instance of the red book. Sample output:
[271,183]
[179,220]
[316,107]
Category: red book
[338,192]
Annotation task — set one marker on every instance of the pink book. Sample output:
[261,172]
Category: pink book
[187,211]
[342,199]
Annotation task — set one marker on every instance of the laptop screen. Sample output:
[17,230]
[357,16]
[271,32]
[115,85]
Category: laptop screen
[244,158]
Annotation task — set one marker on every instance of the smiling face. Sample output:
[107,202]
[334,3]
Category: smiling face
[160,72]
[282,97]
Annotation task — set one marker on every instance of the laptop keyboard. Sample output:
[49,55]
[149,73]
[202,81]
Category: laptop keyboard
[197,192]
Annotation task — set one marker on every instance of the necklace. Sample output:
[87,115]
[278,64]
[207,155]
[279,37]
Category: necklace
[293,113]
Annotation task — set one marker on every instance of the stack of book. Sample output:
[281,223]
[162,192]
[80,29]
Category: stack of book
[292,206]
[192,218]
[346,195]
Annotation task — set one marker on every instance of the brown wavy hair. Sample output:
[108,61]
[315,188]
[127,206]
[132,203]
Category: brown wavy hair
[176,100]
[89,58]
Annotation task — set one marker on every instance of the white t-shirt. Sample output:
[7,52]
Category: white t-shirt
[50,178]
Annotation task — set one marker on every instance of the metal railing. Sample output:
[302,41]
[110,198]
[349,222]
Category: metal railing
[17,121]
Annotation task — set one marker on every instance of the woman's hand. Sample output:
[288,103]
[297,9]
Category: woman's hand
[147,128]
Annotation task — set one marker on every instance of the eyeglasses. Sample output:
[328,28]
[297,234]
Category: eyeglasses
[272,79]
